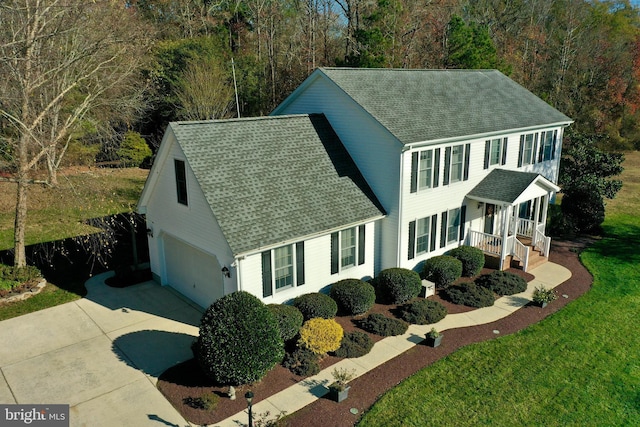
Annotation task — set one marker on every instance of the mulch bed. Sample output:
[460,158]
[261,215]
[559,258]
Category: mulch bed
[183,383]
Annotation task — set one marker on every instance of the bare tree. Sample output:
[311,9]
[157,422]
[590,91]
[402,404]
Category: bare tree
[64,63]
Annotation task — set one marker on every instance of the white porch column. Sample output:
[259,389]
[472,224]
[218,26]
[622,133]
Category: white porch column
[545,212]
[506,214]
[536,214]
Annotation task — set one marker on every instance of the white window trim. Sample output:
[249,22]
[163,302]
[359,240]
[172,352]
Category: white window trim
[500,142]
[449,240]
[532,157]
[543,140]
[418,236]
[429,170]
[353,248]
[454,179]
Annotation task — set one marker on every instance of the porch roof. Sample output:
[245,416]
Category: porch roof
[511,187]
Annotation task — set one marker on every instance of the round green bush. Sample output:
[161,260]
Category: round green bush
[133,149]
[289,320]
[423,312]
[442,270]
[302,362]
[471,295]
[316,305]
[353,296]
[239,340]
[502,283]
[354,344]
[472,259]
[397,285]
[380,324]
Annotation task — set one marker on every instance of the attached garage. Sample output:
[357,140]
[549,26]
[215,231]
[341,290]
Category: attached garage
[192,272]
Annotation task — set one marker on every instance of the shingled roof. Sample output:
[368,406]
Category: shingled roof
[424,105]
[274,179]
[506,185]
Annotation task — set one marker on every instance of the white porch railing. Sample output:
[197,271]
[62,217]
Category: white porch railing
[526,227]
[521,252]
[540,241]
[489,243]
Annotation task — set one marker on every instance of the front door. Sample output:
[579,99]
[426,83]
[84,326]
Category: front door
[489,217]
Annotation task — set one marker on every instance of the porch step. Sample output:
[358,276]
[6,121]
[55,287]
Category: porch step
[535,259]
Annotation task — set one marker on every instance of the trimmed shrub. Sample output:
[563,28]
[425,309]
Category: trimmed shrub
[471,295]
[442,270]
[472,259]
[239,340]
[321,335]
[423,312]
[302,362]
[353,296]
[502,283]
[380,324]
[289,320]
[354,344]
[397,285]
[316,305]
[133,149]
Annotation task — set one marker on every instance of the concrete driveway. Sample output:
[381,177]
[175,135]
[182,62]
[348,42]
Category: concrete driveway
[101,354]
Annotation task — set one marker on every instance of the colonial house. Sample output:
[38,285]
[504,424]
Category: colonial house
[358,170]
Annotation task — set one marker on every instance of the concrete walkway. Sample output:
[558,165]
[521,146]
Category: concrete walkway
[101,354]
[307,391]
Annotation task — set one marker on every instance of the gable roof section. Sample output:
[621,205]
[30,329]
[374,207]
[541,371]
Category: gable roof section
[272,180]
[426,105]
[506,186]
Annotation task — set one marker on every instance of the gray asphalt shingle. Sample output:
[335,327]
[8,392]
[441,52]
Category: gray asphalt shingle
[503,185]
[424,105]
[273,179]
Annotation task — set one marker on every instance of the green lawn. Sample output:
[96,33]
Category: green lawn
[578,367]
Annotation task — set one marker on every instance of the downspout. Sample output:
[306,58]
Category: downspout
[400,199]
[236,263]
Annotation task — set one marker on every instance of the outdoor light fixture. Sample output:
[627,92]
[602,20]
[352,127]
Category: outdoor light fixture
[249,396]
[150,232]
[226,272]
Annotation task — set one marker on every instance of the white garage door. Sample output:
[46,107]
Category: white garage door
[192,272]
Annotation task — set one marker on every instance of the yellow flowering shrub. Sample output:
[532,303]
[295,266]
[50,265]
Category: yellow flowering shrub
[321,335]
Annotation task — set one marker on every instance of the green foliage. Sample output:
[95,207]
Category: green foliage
[380,324]
[302,362]
[321,335]
[19,274]
[397,285]
[470,46]
[133,150]
[289,320]
[585,177]
[442,270]
[316,305]
[472,259]
[543,295]
[207,402]
[353,296]
[239,340]
[502,283]
[423,312]
[471,295]
[354,344]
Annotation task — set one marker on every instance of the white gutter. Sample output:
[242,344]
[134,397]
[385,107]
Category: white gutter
[400,198]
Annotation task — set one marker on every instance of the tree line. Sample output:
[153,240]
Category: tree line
[81,78]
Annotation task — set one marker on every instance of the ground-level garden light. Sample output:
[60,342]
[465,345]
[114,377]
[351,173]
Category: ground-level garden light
[249,396]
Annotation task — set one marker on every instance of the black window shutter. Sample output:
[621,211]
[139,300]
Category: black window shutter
[361,243]
[555,140]
[434,229]
[504,151]
[412,239]
[541,153]
[447,165]
[443,230]
[436,167]
[334,253]
[467,153]
[463,218]
[414,172]
[521,152]
[267,290]
[299,263]
[487,151]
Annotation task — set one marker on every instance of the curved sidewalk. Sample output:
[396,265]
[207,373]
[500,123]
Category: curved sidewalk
[307,391]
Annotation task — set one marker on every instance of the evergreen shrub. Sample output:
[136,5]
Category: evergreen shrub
[353,296]
[321,335]
[239,340]
[302,362]
[442,270]
[502,283]
[471,295]
[354,344]
[133,150]
[472,259]
[423,312]
[397,285]
[316,305]
[289,320]
[380,324]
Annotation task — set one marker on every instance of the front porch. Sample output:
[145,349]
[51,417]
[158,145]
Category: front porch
[509,224]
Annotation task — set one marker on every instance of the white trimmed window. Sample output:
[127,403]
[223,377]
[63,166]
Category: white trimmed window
[547,146]
[283,267]
[425,171]
[347,248]
[453,225]
[528,149]
[423,229]
[457,163]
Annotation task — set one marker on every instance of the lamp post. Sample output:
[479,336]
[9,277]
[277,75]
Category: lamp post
[249,396]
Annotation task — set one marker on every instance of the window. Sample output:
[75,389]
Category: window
[425,167]
[422,236]
[347,248]
[453,225]
[181,181]
[456,163]
[457,159]
[495,152]
[282,268]
[528,149]
[423,227]
[547,149]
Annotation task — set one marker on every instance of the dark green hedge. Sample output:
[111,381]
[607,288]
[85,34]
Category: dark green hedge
[316,305]
[471,295]
[353,296]
[423,312]
[302,362]
[380,324]
[354,344]
[502,283]
[289,320]
[442,270]
[472,259]
[397,285]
